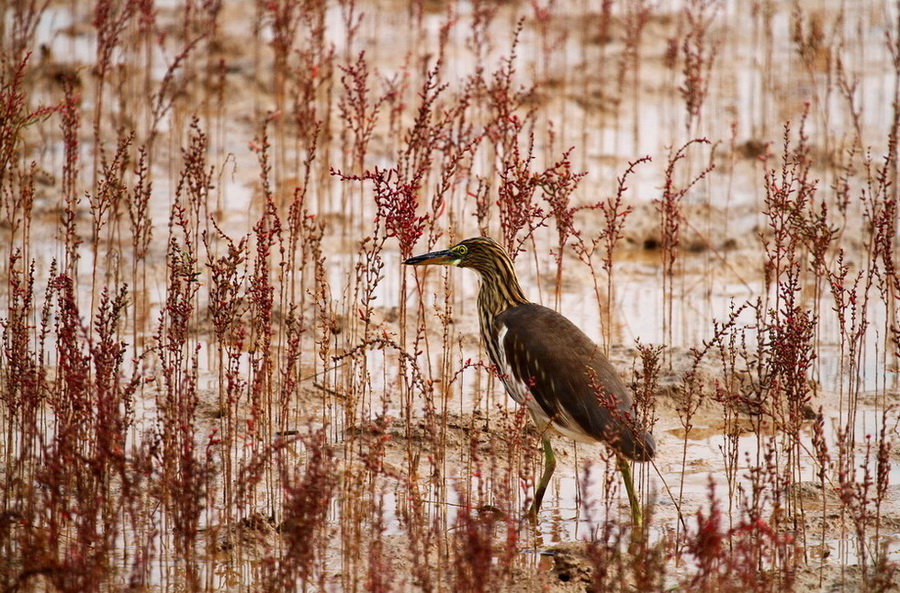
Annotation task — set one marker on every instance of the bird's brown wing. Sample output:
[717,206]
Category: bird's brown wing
[565,374]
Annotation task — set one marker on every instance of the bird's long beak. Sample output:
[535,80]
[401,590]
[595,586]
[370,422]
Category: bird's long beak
[440,258]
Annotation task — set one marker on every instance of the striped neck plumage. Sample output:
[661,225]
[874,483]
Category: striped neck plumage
[500,288]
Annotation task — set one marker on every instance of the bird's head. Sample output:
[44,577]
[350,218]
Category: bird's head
[481,253]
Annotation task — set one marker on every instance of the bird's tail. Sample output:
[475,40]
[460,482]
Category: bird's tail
[631,441]
[641,446]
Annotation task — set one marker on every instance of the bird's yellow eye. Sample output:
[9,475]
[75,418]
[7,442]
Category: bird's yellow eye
[461,250]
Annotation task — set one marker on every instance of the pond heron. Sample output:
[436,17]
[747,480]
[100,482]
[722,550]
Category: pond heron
[549,365]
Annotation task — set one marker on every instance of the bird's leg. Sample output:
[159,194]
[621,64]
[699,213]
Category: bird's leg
[625,470]
[549,466]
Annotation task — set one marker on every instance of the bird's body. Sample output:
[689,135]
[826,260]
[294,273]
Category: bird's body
[547,364]
[566,382]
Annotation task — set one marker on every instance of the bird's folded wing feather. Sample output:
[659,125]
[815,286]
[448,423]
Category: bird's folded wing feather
[566,375]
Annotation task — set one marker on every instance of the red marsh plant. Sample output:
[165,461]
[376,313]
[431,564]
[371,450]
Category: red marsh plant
[747,557]
[615,212]
[227,309]
[637,17]
[558,183]
[186,468]
[671,218]
[308,492]
[699,50]
[140,227]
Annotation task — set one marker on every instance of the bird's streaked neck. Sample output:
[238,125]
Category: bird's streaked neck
[500,288]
